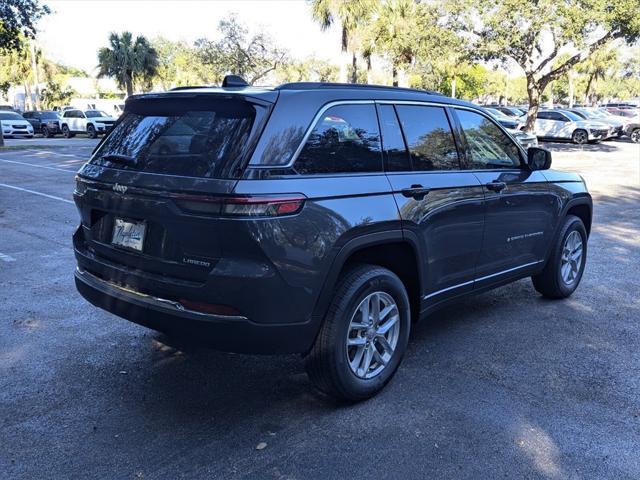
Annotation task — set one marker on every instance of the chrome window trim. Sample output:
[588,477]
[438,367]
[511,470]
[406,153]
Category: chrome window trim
[425,103]
[486,277]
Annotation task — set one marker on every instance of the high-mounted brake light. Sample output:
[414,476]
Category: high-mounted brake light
[241,206]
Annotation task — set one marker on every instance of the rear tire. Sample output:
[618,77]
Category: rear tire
[635,135]
[350,360]
[563,271]
[580,136]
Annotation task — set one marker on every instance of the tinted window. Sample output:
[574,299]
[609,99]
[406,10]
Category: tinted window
[50,115]
[10,116]
[429,137]
[489,146]
[196,137]
[396,155]
[345,139]
[95,113]
[543,116]
[572,116]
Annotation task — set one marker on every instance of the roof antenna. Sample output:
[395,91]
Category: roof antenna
[231,81]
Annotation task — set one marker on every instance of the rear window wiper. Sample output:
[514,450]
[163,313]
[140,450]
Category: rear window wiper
[119,158]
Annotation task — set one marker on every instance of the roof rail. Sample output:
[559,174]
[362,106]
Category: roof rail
[318,85]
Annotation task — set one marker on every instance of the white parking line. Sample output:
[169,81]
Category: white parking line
[36,193]
[6,258]
[39,153]
[38,166]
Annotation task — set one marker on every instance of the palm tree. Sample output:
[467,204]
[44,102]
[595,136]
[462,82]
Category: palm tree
[395,34]
[352,15]
[596,67]
[131,62]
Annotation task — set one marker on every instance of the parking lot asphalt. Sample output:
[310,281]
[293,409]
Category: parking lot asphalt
[505,384]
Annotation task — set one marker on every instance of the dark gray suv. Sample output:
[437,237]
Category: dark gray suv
[322,219]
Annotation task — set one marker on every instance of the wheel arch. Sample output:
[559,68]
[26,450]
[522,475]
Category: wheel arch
[580,206]
[392,249]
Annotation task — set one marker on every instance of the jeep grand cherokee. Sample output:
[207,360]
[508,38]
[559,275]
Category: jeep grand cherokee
[321,219]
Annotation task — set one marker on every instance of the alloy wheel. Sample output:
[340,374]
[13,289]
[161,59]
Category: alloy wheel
[580,137]
[373,335]
[571,259]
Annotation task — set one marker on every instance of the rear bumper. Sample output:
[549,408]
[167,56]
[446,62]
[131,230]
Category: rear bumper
[226,333]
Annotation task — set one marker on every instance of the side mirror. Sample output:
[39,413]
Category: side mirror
[538,158]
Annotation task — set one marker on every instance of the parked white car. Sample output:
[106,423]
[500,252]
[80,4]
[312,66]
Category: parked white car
[14,125]
[563,125]
[91,122]
[619,124]
[525,139]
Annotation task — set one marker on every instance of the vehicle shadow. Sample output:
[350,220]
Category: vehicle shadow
[604,147]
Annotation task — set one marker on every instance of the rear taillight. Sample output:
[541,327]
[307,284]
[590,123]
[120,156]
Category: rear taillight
[241,206]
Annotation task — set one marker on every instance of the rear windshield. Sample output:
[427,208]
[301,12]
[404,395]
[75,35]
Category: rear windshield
[191,137]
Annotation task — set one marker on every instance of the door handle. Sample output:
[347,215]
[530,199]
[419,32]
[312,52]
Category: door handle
[417,192]
[496,186]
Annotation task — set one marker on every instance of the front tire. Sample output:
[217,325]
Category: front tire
[66,132]
[563,271]
[580,137]
[364,335]
[91,131]
[635,135]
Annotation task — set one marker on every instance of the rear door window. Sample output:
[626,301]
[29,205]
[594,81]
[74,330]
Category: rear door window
[429,137]
[346,139]
[191,137]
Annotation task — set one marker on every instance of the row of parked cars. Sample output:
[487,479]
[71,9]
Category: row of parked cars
[578,124]
[50,123]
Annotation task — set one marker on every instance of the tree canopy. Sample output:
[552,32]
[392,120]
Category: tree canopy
[18,20]
[129,61]
[250,56]
[535,34]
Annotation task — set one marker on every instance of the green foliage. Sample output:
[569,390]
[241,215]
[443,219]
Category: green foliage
[178,64]
[533,34]
[55,95]
[354,17]
[130,62]
[393,34]
[69,70]
[18,20]
[252,57]
[309,70]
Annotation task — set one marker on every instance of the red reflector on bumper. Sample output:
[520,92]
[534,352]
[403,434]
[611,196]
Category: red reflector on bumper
[210,308]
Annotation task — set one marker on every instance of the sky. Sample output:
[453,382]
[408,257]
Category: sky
[76,29]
